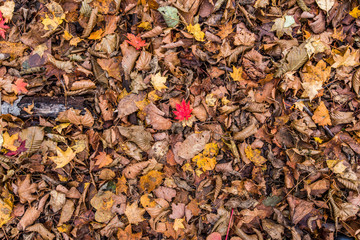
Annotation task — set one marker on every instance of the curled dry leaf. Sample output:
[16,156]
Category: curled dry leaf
[57,200]
[133,170]
[42,230]
[130,54]
[76,116]
[156,31]
[34,137]
[154,117]
[338,117]
[91,24]
[26,190]
[246,132]
[66,212]
[32,213]
[356,81]
[150,181]
[82,85]
[66,66]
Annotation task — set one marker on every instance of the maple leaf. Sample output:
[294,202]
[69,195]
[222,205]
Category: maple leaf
[103,160]
[183,111]
[127,234]
[2,27]
[63,157]
[311,89]
[237,74]
[20,86]
[9,141]
[225,30]
[158,81]
[135,41]
[349,59]
[134,213]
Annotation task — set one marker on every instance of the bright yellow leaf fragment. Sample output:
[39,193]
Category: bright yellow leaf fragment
[196,32]
[6,207]
[355,13]
[337,166]
[96,35]
[63,157]
[178,224]
[9,141]
[158,82]
[254,156]
[204,162]
[237,74]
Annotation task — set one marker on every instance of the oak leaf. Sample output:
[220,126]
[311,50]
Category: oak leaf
[26,190]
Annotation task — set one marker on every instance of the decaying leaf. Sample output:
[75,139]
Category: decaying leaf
[134,213]
[321,115]
[170,15]
[193,144]
[150,181]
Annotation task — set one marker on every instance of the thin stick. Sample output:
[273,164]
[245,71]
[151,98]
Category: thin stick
[228,230]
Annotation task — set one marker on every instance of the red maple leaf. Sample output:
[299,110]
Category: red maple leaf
[20,86]
[135,41]
[2,26]
[183,111]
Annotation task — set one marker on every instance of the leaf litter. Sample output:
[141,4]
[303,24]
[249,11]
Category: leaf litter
[179,119]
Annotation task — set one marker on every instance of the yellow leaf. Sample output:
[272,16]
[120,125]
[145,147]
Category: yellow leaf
[65,228]
[178,224]
[146,202]
[67,36]
[254,156]
[5,212]
[96,35]
[145,25]
[204,162]
[211,149]
[196,32]
[142,104]
[40,49]
[75,41]
[237,74]
[61,126]
[349,59]
[63,157]
[158,82]
[337,166]
[151,180]
[187,167]
[153,97]
[51,23]
[321,115]
[9,141]
[355,13]
[318,140]
[80,145]
[29,108]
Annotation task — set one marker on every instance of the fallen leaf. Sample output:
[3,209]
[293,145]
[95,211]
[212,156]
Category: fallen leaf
[8,142]
[255,156]
[127,234]
[7,9]
[321,115]
[283,25]
[26,190]
[225,30]
[325,5]
[103,160]
[237,74]
[134,214]
[158,82]
[196,32]
[20,86]
[178,224]
[170,15]
[63,157]
[151,180]
[135,41]
[355,12]
[193,144]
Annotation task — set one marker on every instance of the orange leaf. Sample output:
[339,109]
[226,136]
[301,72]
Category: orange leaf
[20,86]
[151,180]
[321,115]
[103,159]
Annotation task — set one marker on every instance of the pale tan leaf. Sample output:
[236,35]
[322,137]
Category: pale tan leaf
[156,31]
[143,63]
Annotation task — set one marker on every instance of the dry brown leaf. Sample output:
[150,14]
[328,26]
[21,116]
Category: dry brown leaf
[143,63]
[76,117]
[26,190]
[82,85]
[103,160]
[154,117]
[42,230]
[133,170]
[193,144]
[130,54]
[138,135]
[127,105]
[111,66]
[150,181]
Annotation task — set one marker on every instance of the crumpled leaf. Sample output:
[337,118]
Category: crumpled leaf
[57,200]
[254,155]
[350,58]
[103,203]
[154,117]
[170,15]
[311,89]
[103,160]
[196,32]
[26,190]
[51,22]
[138,135]
[75,116]
[283,25]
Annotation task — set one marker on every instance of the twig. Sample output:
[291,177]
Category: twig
[228,230]
[326,128]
